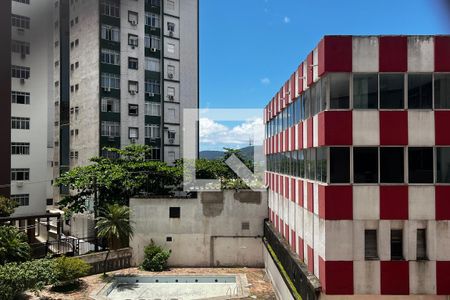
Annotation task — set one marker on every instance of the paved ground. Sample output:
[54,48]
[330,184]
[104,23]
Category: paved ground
[260,286]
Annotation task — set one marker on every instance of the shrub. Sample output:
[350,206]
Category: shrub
[7,206]
[155,258]
[13,245]
[69,269]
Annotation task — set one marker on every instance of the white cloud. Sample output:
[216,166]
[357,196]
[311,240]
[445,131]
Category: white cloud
[265,81]
[286,20]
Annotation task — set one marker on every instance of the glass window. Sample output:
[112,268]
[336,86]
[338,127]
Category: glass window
[21,199]
[110,8]
[133,40]
[133,109]
[152,87]
[307,103]
[321,164]
[396,244]
[420,91]
[20,148]
[301,164]
[152,64]
[152,131]
[370,245]
[110,57]
[365,164]
[391,165]
[392,91]
[20,174]
[420,164]
[20,97]
[323,93]
[152,20]
[339,90]
[365,91]
[133,17]
[110,33]
[442,91]
[133,133]
[110,81]
[421,253]
[110,129]
[152,108]
[339,165]
[443,164]
[133,63]
[110,105]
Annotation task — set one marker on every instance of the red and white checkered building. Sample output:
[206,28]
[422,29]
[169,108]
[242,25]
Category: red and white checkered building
[325,223]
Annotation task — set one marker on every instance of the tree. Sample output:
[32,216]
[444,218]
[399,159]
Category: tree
[68,270]
[13,245]
[114,225]
[116,180]
[7,206]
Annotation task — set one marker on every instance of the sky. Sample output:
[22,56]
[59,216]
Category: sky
[249,48]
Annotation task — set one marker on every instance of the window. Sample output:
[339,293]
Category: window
[20,148]
[442,91]
[171,93]
[339,91]
[420,164]
[20,72]
[133,17]
[370,245]
[152,109]
[20,123]
[133,63]
[420,91]
[133,87]
[321,165]
[171,134]
[152,20]
[365,91]
[153,42]
[23,1]
[339,164]
[133,109]
[152,87]
[174,212]
[20,21]
[110,81]
[20,47]
[21,199]
[111,57]
[245,225]
[133,40]
[396,244]
[170,5]
[365,165]
[153,2]
[133,133]
[155,154]
[421,253]
[110,129]
[392,165]
[152,64]
[110,33]
[152,131]
[171,48]
[170,27]
[392,90]
[443,164]
[110,8]
[20,97]
[20,174]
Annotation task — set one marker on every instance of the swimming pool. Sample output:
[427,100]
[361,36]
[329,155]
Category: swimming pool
[181,287]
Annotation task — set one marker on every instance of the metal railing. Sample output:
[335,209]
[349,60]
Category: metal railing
[69,246]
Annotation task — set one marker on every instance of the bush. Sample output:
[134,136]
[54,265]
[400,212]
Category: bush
[32,275]
[69,269]
[13,245]
[155,258]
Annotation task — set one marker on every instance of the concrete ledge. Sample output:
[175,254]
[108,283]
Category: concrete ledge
[248,197]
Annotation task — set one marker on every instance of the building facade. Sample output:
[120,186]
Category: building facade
[127,71]
[358,154]
[30,96]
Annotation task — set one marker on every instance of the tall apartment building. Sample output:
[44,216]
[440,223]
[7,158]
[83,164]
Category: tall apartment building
[358,151]
[31,74]
[127,70]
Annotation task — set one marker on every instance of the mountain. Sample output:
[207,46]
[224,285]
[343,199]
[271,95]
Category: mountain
[246,152]
[208,154]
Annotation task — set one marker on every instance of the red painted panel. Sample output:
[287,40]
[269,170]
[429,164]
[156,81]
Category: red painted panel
[300,192]
[286,187]
[338,277]
[277,222]
[300,78]
[283,98]
[292,136]
[309,69]
[309,134]
[393,54]
[280,142]
[300,135]
[293,240]
[442,53]
[394,202]
[321,129]
[293,190]
[286,140]
[394,127]
[281,229]
[336,202]
[310,259]
[442,195]
[335,54]
[338,128]
[394,277]
[443,277]
[442,126]
[281,190]
[287,90]
[310,195]
[286,232]
[277,184]
[300,248]
[292,88]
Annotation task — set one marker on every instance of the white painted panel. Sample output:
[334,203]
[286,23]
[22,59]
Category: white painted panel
[366,128]
[299,220]
[339,240]
[309,228]
[420,54]
[384,240]
[366,202]
[366,277]
[358,240]
[422,277]
[305,194]
[315,130]
[316,198]
[365,54]
[420,128]
[305,75]
[315,64]
[305,134]
[292,215]
[443,240]
[421,203]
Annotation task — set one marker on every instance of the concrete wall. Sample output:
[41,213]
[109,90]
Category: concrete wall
[279,286]
[209,231]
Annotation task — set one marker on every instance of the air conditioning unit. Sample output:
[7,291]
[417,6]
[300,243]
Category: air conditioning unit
[170,33]
[153,49]
[20,30]
[170,75]
[23,55]
[22,80]
[171,141]
[133,140]
[151,94]
[133,92]
[133,46]
[133,22]
[19,184]
[171,97]
[107,89]
[111,138]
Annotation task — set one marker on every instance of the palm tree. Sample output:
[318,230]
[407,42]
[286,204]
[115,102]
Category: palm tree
[114,225]
[13,245]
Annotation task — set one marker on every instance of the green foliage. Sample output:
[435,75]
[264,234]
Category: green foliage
[13,245]
[114,223]
[7,206]
[155,258]
[69,269]
[32,275]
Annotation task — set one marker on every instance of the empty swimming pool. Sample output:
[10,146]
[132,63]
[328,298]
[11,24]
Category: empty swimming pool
[182,287]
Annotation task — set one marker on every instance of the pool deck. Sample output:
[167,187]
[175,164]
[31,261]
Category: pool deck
[259,284]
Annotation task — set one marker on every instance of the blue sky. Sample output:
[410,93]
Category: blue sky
[248,48]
